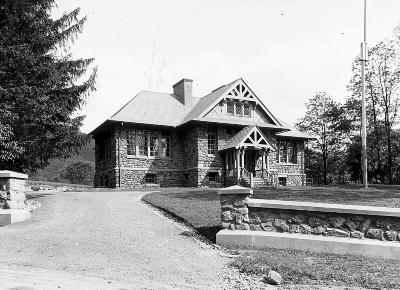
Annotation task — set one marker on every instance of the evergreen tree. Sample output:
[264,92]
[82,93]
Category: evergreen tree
[40,84]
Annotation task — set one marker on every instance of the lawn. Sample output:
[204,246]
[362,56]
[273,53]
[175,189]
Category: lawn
[201,209]
[388,196]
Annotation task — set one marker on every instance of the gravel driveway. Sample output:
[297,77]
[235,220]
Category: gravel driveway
[107,235]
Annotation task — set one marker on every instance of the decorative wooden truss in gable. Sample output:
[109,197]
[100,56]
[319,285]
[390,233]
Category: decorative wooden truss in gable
[255,138]
[240,91]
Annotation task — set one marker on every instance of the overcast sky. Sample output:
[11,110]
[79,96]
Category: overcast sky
[285,50]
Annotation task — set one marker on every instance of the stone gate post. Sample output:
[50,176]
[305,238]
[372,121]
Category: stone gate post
[234,210]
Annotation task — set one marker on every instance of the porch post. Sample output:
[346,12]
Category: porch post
[242,157]
[238,162]
[262,162]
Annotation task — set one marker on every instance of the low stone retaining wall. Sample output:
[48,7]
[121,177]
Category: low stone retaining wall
[240,212]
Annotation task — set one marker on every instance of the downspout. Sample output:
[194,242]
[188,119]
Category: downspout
[119,155]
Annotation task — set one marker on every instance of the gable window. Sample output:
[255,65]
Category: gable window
[150,178]
[131,142]
[246,110]
[238,109]
[287,152]
[164,144]
[212,143]
[230,108]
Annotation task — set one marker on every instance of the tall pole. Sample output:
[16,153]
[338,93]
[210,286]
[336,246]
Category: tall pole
[364,56]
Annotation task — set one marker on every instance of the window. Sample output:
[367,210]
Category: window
[212,143]
[230,108]
[142,142]
[212,177]
[246,110]
[164,145]
[154,144]
[238,108]
[151,178]
[287,152]
[282,181]
[131,142]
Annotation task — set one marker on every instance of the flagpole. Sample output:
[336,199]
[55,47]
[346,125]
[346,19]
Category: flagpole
[364,56]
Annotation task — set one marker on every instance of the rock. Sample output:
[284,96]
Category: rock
[227,207]
[376,234]
[239,203]
[294,229]
[357,218]
[255,220]
[318,230]
[337,233]
[285,216]
[226,216]
[297,219]
[238,218]
[315,222]
[365,225]
[305,229]
[281,225]
[225,225]
[231,227]
[242,210]
[242,227]
[268,216]
[390,235]
[246,218]
[268,227]
[384,225]
[337,222]
[273,278]
[356,234]
[352,226]
[255,227]
[35,188]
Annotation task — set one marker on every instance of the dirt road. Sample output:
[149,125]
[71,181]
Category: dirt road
[107,240]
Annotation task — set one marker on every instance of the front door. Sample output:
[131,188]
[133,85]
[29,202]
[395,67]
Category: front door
[250,161]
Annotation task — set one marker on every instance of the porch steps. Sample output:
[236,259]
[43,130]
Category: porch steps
[259,182]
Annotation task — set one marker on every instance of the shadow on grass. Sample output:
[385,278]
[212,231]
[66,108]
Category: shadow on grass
[37,195]
[208,232]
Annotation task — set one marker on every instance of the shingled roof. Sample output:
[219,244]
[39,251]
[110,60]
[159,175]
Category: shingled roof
[164,109]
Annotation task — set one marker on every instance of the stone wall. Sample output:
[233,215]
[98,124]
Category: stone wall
[237,213]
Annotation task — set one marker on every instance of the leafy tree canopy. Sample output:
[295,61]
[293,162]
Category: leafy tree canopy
[40,84]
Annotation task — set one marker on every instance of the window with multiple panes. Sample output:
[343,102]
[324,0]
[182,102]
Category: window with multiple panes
[230,108]
[287,152]
[238,108]
[146,143]
[246,110]
[212,143]
[212,177]
[151,178]
[142,142]
[164,144]
[131,142]
[154,148]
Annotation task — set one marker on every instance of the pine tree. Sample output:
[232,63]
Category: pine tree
[40,84]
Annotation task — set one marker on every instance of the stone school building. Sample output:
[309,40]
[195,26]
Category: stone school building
[225,138]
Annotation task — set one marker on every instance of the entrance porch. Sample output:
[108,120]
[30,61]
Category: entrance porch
[246,159]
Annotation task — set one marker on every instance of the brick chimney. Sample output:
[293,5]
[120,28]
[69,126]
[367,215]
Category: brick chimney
[183,91]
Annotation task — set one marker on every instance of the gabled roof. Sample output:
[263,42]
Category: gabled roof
[152,108]
[250,136]
[294,133]
[208,102]
[164,109]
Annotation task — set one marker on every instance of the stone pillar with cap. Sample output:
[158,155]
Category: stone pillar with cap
[12,190]
[234,210]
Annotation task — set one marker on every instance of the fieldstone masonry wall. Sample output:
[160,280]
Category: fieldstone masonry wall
[237,214]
